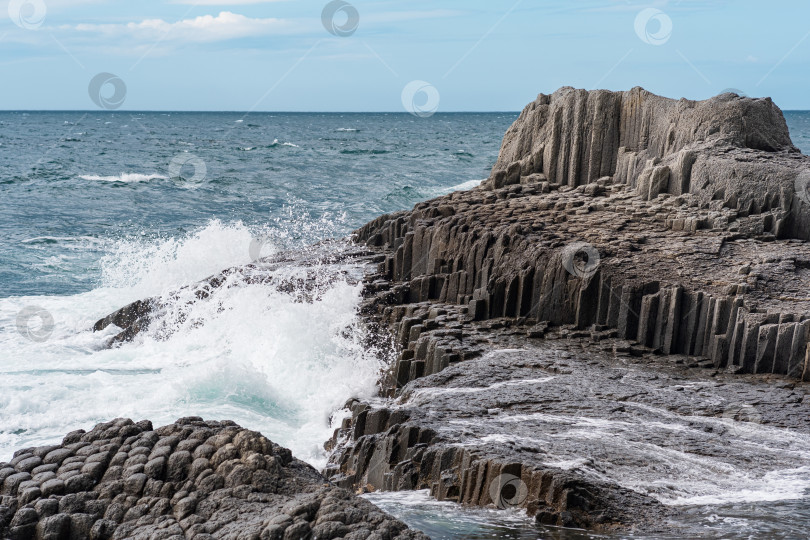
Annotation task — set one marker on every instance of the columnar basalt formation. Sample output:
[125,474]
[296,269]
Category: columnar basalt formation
[730,149]
[660,230]
[566,232]
[652,249]
[190,479]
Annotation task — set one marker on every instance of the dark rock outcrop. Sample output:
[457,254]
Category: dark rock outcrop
[190,479]
[708,270]
[728,148]
[624,239]
[667,233]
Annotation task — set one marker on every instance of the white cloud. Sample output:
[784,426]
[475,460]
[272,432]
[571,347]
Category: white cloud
[205,28]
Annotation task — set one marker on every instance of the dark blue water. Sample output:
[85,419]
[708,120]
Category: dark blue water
[60,206]
[61,202]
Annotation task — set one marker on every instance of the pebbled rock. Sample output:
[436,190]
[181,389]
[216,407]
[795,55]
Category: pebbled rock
[257,489]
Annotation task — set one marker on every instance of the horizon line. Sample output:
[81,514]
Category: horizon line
[246,113]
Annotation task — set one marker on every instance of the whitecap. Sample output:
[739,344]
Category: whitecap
[123,177]
[277,143]
[464,186]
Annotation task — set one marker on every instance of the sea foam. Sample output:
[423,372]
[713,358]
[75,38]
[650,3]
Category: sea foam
[252,353]
[123,177]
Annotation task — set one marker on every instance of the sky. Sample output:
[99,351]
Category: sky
[392,55]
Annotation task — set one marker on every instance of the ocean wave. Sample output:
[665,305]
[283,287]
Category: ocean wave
[63,239]
[253,353]
[150,266]
[464,186]
[123,177]
[277,143]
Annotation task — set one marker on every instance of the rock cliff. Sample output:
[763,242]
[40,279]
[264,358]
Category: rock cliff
[576,227]
[729,148]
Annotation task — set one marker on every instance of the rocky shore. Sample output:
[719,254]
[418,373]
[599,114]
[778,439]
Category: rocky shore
[629,258]
[612,326]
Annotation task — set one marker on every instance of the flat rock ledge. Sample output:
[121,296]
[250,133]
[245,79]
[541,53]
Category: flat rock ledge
[191,479]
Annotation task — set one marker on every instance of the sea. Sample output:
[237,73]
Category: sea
[99,209]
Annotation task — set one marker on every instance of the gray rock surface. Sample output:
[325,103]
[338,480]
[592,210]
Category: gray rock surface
[190,479]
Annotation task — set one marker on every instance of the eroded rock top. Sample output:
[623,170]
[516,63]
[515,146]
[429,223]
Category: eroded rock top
[728,148]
